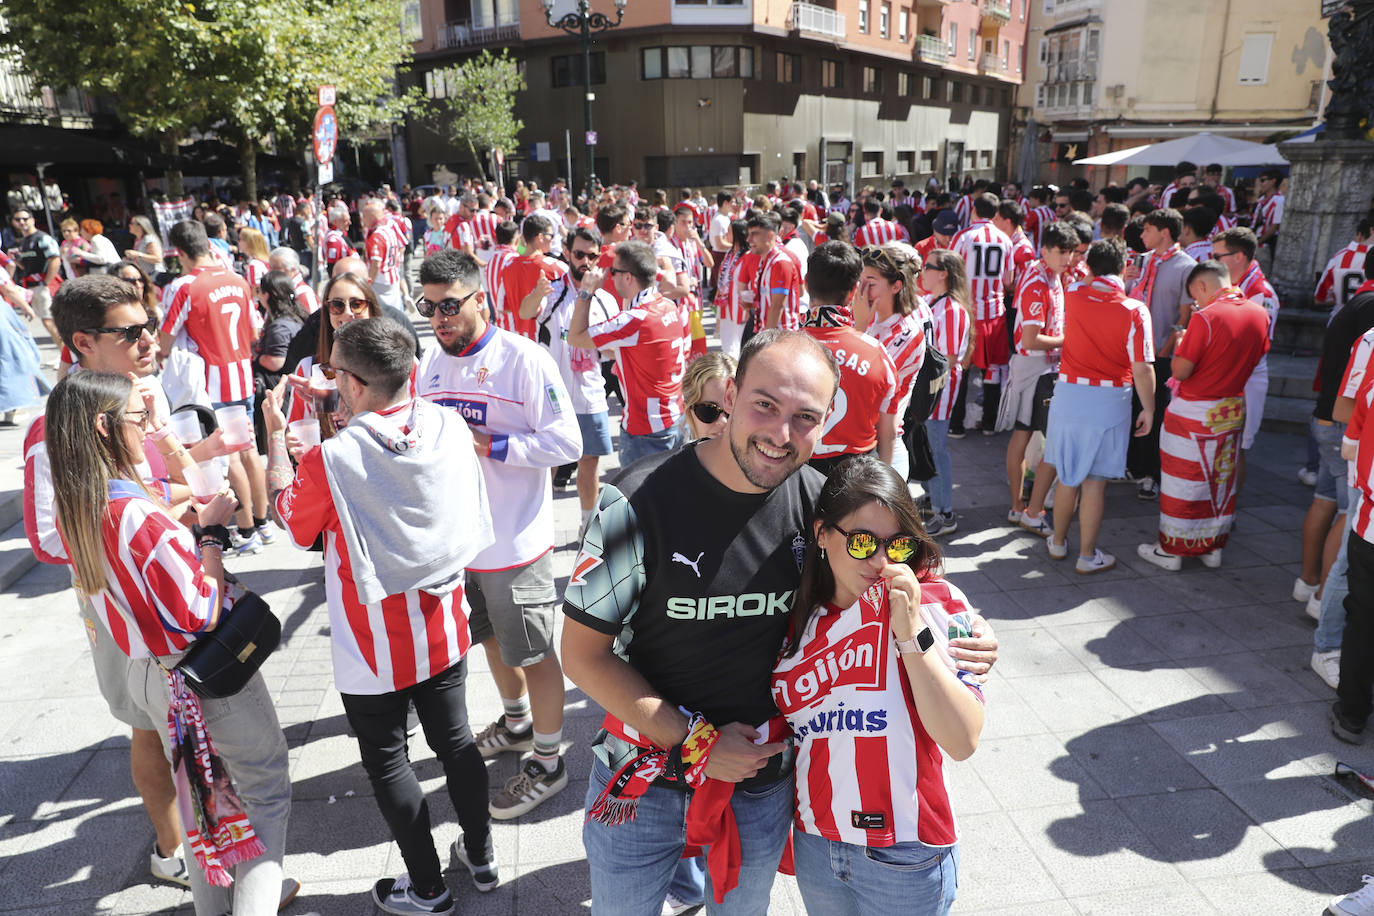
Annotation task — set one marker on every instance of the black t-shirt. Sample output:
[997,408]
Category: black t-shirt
[1341,334]
[307,339]
[35,251]
[695,580]
[275,340]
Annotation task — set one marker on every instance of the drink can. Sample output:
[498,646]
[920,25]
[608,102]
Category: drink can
[961,625]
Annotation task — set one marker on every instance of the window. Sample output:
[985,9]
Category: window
[975,95]
[972,44]
[873,80]
[703,62]
[953,38]
[903,84]
[985,157]
[1040,96]
[653,63]
[746,63]
[1073,93]
[885,20]
[679,63]
[724,63]
[903,15]
[1044,52]
[863,16]
[927,87]
[906,162]
[1006,54]
[1049,7]
[954,92]
[1093,38]
[566,69]
[928,160]
[436,86]
[1088,93]
[789,68]
[872,165]
[832,74]
[1254,59]
[1024,4]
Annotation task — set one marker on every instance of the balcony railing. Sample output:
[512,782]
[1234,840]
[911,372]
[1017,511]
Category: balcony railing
[992,63]
[1066,8]
[817,20]
[464,34]
[931,49]
[997,10]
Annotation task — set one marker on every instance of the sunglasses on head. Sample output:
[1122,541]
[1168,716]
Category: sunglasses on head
[708,412]
[863,544]
[132,332]
[877,256]
[339,306]
[449,306]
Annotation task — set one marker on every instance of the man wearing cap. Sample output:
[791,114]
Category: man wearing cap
[944,226]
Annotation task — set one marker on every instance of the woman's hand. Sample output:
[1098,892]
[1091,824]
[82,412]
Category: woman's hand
[975,654]
[219,510]
[903,600]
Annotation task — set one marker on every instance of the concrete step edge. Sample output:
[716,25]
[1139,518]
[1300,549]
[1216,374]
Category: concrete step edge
[16,557]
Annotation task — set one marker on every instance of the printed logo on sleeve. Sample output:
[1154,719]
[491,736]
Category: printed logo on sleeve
[555,398]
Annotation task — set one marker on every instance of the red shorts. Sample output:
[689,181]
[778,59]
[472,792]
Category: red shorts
[991,347]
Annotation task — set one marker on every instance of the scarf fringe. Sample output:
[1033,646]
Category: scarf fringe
[613,811]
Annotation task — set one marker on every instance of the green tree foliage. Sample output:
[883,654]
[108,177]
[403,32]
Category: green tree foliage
[479,108]
[242,68]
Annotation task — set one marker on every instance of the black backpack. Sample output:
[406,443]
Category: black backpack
[930,380]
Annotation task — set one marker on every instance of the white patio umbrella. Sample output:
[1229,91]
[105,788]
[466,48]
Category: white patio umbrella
[1202,148]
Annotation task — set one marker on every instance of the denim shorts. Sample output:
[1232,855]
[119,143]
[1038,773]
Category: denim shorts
[1331,467]
[596,433]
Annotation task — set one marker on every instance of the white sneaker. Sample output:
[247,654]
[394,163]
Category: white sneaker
[676,906]
[1356,903]
[1038,524]
[1057,551]
[1100,561]
[1328,667]
[1153,553]
[1302,591]
[1211,559]
[171,869]
[1307,478]
[1314,608]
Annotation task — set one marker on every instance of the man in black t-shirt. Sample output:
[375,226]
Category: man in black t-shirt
[678,605]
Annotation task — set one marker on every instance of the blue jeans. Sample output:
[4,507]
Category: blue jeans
[632,865]
[633,448]
[1331,624]
[840,879]
[941,486]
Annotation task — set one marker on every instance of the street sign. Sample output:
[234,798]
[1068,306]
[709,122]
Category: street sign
[591,138]
[539,152]
[326,173]
[1332,7]
[500,159]
[324,96]
[325,134]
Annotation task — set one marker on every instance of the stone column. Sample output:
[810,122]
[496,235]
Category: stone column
[1329,189]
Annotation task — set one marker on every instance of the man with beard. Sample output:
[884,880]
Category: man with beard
[510,392]
[676,609]
[551,305]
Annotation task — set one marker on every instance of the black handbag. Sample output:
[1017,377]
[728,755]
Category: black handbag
[220,663]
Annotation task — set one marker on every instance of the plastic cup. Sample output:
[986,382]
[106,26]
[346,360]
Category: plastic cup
[186,425]
[307,432]
[205,479]
[236,424]
[319,382]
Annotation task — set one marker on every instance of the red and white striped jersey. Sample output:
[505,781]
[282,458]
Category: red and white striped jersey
[726,301]
[1268,214]
[1105,332]
[743,271]
[1359,432]
[1036,221]
[651,346]
[501,256]
[987,256]
[1227,195]
[1256,288]
[779,274]
[1166,197]
[215,307]
[1199,251]
[1343,275]
[1224,222]
[1039,301]
[385,248]
[1022,254]
[404,228]
[377,648]
[868,389]
[951,324]
[904,339]
[254,269]
[336,247]
[154,583]
[519,276]
[963,208]
[484,223]
[461,233]
[868,772]
[879,231]
[1357,367]
[305,296]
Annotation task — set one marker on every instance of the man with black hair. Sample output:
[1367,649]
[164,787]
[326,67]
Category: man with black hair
[1268,212]
[1185,176]
[1236,248]
[1162,284]
[877,230]
[523,273]
[1345,271]
[964,206]
[1039,212]
[776,289]
[1196,236]
[987,255]
[1211,182]
[1113,221]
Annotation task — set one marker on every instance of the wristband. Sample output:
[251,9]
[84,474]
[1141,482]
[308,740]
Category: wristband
[216,533]
[162,432]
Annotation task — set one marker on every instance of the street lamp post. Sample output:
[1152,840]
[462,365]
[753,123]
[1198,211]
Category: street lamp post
[583,23]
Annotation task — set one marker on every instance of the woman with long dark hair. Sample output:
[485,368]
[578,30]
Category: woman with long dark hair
[875,702]
[158,588]
[731,314]
[347,297]
[282,317]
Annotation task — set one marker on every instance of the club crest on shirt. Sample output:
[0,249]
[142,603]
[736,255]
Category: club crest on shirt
[482,373]
[799,548]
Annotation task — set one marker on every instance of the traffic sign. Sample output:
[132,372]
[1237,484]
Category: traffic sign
[591,138]
[326,173]
[325,96]
[325,134]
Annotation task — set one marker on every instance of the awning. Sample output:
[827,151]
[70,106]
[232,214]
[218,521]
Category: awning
[24,145]
[1202,148]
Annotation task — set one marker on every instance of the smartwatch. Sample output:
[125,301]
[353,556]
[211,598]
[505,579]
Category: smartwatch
[920,644]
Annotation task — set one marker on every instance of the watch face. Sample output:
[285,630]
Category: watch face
[925,639]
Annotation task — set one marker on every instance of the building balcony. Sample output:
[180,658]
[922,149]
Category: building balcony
[992,63]
[931,49]
[1070,9]
[817,21]
[997,11]
[931,7]
[463,34]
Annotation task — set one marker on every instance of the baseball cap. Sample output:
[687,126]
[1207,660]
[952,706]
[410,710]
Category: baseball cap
[946,222]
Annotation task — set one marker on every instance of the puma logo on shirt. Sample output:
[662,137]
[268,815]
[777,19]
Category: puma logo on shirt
[679,558]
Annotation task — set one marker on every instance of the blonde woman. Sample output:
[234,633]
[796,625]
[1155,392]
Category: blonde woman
[253,245]
[703,393]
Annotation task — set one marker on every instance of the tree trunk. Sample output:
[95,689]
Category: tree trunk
[481,169]
[248,159]
[171,147]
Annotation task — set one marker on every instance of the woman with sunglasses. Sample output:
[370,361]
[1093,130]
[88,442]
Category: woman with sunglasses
[703,393]
[875,702]
[158,588]
[347,297]
[943,276]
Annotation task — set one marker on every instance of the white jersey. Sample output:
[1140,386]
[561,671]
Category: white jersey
[581,369]
[509,388]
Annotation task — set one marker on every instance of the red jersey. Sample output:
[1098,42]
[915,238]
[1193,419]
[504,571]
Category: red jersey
[1362,472]
[1039,302]
[1343,275]
[215,307]
[878,231]
[305,296]
[1104,334]
[779,273]
[868,389]
[385,248]
[650,343]
[987,256]
[861,745]
[378,648]
[519,276]
[950,322]
[924,247]
[336,247]
[1022,254]
[1224,341]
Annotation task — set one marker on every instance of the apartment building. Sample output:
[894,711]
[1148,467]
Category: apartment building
[716,93]
[1111,74]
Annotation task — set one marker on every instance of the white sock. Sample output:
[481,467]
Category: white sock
[546,749]
[518,717]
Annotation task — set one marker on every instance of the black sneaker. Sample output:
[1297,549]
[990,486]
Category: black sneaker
[563,475]
[484,874]
[395,895]
[1343,727]
[956,433]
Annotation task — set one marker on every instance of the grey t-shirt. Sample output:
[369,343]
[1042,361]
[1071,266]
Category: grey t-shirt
[1170,291]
